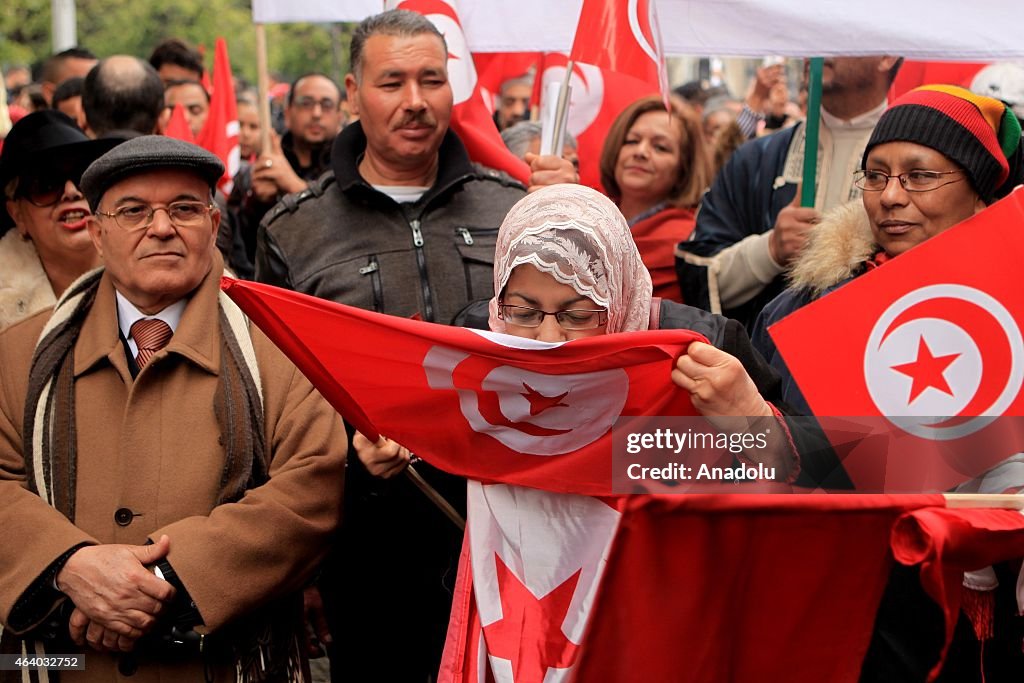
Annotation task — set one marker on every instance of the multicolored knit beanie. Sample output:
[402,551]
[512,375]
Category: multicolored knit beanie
[979,133]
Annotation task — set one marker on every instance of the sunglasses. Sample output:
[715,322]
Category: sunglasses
[44,191]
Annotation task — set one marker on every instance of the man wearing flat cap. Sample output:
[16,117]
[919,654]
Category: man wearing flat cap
[168,479]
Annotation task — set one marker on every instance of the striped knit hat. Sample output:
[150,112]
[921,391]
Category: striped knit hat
[979,133]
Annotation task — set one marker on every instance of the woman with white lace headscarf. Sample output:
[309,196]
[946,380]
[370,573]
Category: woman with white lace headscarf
[566,267]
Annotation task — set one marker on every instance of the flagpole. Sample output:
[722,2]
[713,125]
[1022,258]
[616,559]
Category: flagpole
[808,188]
[263,84]
[436,498]
[1011,501]
[561,114]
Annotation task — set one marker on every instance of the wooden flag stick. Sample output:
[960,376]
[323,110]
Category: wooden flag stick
[263,84]
[808,187]
[1010,501]
[436,498]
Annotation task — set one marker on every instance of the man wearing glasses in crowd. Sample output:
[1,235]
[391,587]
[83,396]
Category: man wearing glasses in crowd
[168,479]
[313,116]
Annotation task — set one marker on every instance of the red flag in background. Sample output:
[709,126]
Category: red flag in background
[623,37]
[598,96]
[471,119]
[220,132]
[541,413]
[494,68]
[930,346]
[618,59]
[914,73]
[177,126]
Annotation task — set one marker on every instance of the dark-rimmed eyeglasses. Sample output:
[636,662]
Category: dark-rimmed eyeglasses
[139,216]
[572,319]
[43,192]
[912,181]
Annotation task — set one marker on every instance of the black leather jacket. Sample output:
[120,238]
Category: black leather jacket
[343,240]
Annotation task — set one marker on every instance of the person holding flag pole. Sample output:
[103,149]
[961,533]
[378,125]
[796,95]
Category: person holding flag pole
[567,268]
[755,217]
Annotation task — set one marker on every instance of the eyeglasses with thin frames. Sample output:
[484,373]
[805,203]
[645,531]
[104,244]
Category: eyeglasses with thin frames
[572,319]
[181,214]
[912,181]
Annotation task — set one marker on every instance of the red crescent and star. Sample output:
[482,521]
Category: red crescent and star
[927,371]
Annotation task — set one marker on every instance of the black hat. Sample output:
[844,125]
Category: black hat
[148,153]
[46,142]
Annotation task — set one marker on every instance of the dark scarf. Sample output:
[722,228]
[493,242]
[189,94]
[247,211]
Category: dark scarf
[265,643]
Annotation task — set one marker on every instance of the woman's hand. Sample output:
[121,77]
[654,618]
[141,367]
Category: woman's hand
[383,459]
[718,384]
[722,391]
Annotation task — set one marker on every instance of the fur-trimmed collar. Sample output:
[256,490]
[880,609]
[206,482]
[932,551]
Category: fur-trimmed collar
[24,287]
[836,249]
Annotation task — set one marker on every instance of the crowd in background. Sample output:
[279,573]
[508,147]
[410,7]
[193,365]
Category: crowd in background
[355,193]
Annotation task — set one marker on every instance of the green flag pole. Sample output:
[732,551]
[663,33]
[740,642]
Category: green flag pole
[808,187]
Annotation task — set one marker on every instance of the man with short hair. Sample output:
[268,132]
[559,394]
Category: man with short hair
[404,224]
[122,97]
[513,102]
[67,99]
[751,224]
[194,100]
[303,154]
[75,61]
[175,60]
[168,479]
[525,137]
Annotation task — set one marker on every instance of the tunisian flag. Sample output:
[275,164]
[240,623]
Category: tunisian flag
[471,118]
[220,132]
[493,407]
[618,59]
[929,347]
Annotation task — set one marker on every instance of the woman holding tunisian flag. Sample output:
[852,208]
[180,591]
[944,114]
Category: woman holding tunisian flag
[566,268]
[939,155]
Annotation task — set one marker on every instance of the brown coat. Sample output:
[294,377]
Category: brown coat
[152,445]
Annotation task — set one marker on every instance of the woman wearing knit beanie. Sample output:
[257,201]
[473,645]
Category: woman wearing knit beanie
[937,156]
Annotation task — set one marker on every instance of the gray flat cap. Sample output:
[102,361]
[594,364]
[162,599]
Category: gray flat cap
[147,153]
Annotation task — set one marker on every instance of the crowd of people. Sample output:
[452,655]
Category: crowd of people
[177,497]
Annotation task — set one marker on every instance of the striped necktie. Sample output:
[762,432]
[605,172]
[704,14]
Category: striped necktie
[150,336]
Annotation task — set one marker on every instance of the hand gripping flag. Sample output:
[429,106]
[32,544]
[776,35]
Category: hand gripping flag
[490,407]
[471,119]
[598,96]
[618,59]
[220,132]
[929,348]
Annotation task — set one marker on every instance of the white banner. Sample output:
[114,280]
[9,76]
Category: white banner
[919,29]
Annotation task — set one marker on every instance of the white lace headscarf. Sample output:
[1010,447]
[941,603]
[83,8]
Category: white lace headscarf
[579,237]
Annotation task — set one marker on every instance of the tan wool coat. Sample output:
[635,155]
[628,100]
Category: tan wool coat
[152,445]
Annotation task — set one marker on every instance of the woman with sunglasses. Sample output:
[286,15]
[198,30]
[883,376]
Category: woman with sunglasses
[44,245]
